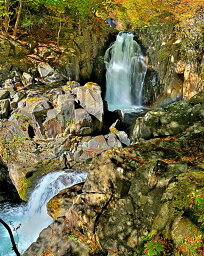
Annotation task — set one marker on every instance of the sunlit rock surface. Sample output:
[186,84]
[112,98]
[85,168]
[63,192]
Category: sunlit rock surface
[170,120]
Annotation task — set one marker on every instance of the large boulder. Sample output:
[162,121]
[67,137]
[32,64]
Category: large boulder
[89,97]
[77,109]
[60,117]
[28,157]
[169,120]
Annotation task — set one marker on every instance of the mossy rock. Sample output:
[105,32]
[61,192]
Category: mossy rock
[29,180]
[176,200]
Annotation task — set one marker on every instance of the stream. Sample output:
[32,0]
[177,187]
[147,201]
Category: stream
[27,220]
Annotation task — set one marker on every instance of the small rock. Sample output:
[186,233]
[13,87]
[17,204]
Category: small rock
[45,69]
[112,140]
[27,79]
[98,142]
[4,108]
[122,136]
[17,98]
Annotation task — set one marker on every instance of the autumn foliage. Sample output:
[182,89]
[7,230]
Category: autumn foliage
[15,14]
[140,12]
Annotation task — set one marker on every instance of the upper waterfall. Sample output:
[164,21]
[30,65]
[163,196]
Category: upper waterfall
[125,73]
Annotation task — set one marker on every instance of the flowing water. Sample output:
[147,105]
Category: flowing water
[126,70]
[31,217]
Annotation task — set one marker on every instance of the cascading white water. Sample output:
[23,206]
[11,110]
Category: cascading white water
[32,217]
[126,70]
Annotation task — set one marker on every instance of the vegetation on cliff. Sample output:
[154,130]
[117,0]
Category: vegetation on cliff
[19,14]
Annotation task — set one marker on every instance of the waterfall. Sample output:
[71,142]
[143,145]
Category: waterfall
[32,218]
[125,73]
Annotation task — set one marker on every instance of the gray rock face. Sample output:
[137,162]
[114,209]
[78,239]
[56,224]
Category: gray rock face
[123,138]
[89,97]
[90,147]
[60,117]
[18,96]
[27,79]
[134,191]
[48,74]
[170,120]
[67,115]
[45,69]
[83,123]
[112,140]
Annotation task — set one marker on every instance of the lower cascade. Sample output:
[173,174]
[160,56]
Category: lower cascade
[126,70]
[31,218]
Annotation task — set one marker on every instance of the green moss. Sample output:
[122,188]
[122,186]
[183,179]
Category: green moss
[24,185]
[10,146]
[32,99]
[113,130]
[19,115]
[44,167]
[90,85]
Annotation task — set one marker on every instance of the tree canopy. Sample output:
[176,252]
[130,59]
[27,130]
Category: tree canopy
[22,13]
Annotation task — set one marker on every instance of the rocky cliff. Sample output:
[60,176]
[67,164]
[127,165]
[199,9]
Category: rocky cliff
[175,60]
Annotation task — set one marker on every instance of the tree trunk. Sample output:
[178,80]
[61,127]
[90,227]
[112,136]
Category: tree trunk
[7,18]
[11,237]
[18,17]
